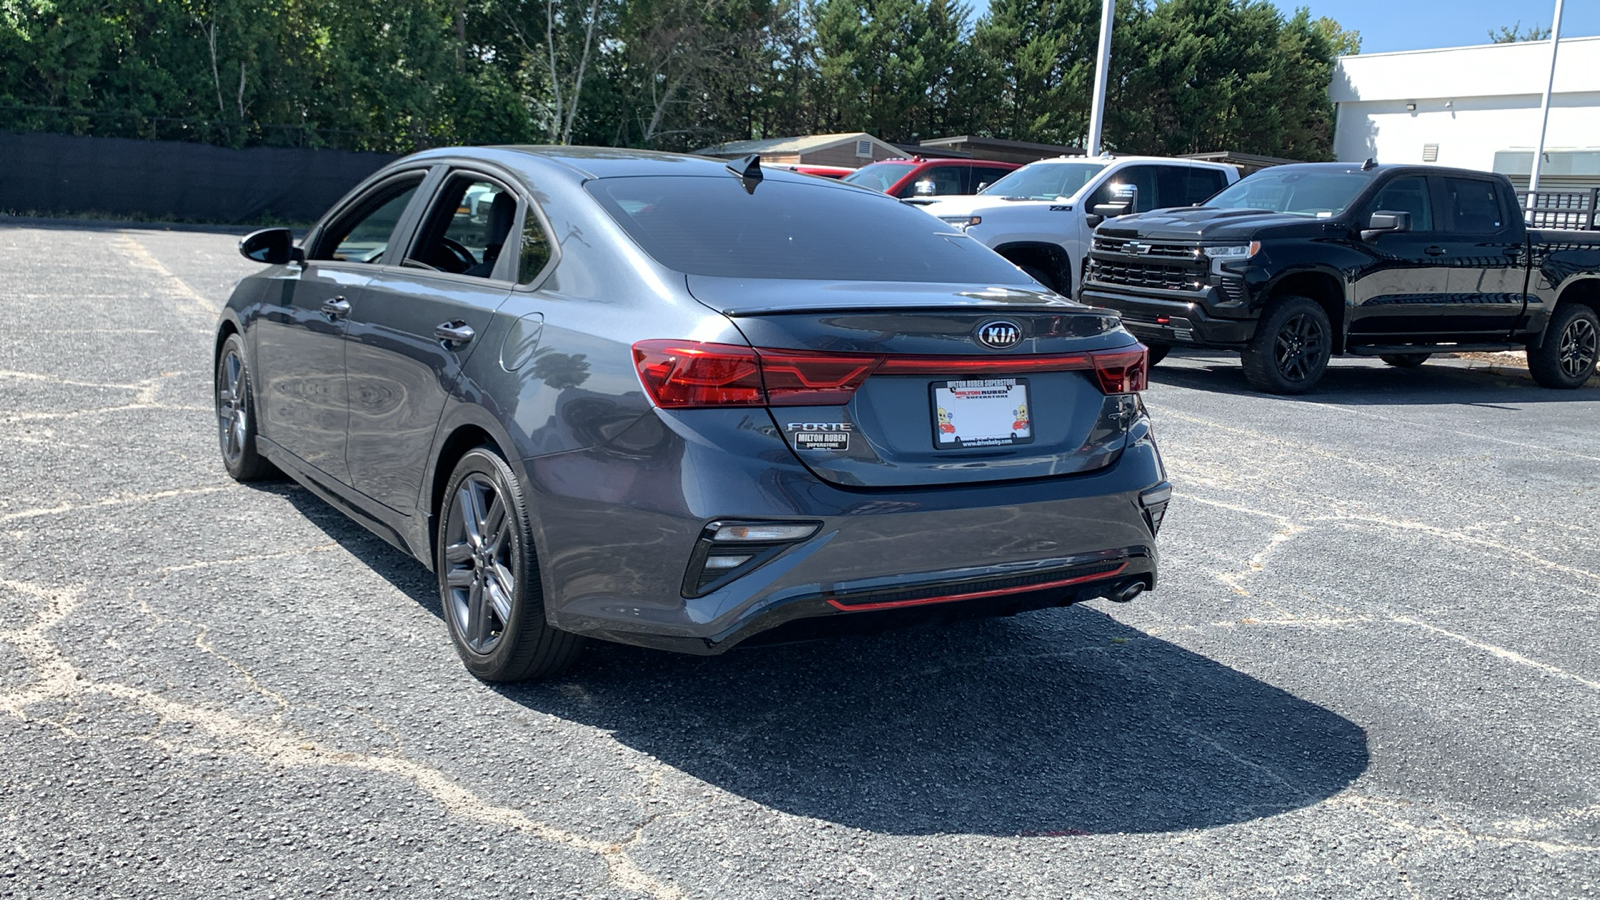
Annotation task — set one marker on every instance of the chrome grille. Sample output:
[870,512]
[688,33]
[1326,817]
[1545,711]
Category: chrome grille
[1136,247]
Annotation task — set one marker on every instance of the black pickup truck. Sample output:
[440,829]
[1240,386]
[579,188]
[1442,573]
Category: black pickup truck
[1298,263]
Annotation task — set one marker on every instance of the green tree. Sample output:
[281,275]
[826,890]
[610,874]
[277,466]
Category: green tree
[1512,34]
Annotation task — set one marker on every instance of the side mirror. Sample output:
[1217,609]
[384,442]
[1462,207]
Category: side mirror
[982,186]
[1093,219]
[1386,222]
[926,188]
[273,246]
[1111,210]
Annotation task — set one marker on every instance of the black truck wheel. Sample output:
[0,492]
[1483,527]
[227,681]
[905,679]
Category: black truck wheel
[1571,345]
[1291,347]
[1405,360]
[1158,351]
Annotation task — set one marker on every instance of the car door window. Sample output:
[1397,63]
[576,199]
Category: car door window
[934,181]
[363,233]
[1472,205]
[466,227]
[983,176]
[1143,178]
[1407,195]
[1200,184]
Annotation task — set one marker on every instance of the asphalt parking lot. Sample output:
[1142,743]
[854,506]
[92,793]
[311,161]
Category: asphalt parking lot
[1372,667]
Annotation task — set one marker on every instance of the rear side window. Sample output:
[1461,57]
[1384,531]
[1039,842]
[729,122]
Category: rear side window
[708,225]
[1185,185]
[1472,205]
[536,252]
[1407,195]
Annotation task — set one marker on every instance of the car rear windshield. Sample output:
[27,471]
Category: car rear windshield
[1315,194]
[879,176]
[1044,181]
[707,225]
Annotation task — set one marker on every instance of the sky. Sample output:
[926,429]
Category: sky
[1388,25]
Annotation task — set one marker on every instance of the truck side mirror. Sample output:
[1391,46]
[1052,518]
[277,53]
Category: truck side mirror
[1386,221]
[274,246]
[1123,199]
[927,188]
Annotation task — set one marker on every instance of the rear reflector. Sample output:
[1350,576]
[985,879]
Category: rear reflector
[691,374]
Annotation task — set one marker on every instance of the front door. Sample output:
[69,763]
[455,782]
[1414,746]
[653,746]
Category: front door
[1399,289]
[300,333]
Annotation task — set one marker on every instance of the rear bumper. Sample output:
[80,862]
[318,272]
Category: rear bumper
[1173,317]
[880,558]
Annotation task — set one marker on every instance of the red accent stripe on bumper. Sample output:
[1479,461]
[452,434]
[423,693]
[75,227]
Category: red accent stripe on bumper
[1023,589]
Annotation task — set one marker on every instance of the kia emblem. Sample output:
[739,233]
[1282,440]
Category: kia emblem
[999,335]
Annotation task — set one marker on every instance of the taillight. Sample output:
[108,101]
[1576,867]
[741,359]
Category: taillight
[684,374]
[1122,371]
[813,379]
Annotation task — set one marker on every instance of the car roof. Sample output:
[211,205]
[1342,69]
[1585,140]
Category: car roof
[1114,160]
[1372,171]
[585,163]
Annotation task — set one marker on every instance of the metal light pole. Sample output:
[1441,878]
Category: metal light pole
[1544,107]
[1097,109]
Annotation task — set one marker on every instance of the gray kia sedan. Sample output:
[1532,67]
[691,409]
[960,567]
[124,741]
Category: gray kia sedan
[687,404]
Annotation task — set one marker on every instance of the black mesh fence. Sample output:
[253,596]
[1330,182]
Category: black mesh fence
[53,174]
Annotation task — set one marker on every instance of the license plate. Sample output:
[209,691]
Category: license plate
[988,413]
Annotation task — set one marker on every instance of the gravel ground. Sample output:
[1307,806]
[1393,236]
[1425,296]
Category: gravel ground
[1372,667]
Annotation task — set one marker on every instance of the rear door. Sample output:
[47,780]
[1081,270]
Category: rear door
[1488,266]
[418,322]
[299,336]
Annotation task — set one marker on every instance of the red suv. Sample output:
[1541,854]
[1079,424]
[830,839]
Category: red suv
[925,179]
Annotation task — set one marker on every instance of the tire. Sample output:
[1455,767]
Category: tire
[236,415]
[1566,358]
[1290,349]
[1404,360]
[489,583]
[1158,351]
[1038,274]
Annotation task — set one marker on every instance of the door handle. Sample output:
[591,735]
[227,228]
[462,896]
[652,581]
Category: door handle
[335,307]
[1435,251]
[454,332]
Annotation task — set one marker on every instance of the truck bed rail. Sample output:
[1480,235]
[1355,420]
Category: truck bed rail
[1562,210]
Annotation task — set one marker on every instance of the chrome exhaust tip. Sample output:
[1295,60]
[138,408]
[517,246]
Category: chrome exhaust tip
[1122,593]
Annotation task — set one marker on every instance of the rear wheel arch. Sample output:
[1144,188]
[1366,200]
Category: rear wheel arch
[460,441]
[1323,289]
[1582,290]
[1051,259]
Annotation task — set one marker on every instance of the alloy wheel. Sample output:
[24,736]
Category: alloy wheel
[232,410]
[1578,347]
[1298,346]
[480,563]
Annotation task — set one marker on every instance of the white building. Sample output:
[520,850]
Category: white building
[1474,107]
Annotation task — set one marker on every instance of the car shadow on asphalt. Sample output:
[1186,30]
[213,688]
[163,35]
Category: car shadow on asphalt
[1434,383]
[407,575]
[1056,722]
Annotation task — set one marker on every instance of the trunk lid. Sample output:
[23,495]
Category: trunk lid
[939,407]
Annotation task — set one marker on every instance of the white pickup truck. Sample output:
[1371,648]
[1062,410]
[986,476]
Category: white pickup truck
[1042,215]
